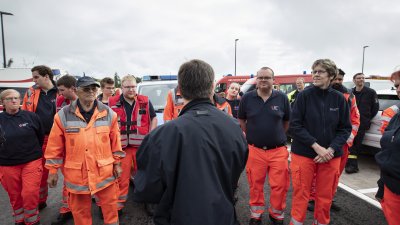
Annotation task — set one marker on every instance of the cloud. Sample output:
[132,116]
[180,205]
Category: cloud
[156,37]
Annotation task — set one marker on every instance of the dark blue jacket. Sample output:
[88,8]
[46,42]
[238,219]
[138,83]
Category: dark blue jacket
[389,158]
[321,116]
[22,136]
[190,167]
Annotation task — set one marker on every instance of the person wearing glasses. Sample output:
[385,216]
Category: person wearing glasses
[107,90]
[136,119]
[389,162]
[264,117]
[85,142]
[320,126]
[21,161]
[41,99]
[368,105]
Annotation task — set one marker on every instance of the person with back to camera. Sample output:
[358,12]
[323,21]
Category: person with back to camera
[21,161]
[190,166]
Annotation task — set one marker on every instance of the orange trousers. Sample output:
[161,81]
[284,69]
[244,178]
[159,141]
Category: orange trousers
[22,184]
[123,181]
[343,161]
[64,201]
[44,189]
[81,205]
[391,207]
[274,164]
[327,175]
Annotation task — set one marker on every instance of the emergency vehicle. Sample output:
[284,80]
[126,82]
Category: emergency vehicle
[156,87]
[223,83]
[284,83]
[19,79]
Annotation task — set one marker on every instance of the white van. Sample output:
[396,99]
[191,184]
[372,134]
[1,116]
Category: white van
[19,79]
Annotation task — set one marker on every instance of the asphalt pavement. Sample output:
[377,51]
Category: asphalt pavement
[354,211]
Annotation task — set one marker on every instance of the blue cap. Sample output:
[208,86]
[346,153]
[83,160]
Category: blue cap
[86,81]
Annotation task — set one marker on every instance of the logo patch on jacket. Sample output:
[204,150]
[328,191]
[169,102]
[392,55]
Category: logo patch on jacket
[274,107]
[333,109]
[23,125]
[72,130]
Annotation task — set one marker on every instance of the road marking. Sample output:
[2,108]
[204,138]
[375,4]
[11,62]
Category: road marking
[360,195]
[369,190]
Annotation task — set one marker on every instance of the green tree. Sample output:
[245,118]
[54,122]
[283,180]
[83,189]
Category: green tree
[117,80]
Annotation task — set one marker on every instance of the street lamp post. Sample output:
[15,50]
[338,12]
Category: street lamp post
[236,40]
[362,68]
[2,36]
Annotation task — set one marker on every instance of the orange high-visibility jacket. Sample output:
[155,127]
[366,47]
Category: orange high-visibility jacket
[140,122]
[222,104]
[31,98]
[174,105]
[90,149]
[387,115]
[354,117]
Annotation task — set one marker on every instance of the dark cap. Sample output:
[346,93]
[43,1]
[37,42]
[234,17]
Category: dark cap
[86,81]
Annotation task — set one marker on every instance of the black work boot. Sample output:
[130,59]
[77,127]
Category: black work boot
[255,221]
[351,166]
[62,218]
[20,223]
[311,205]
[275,221]
[42,205]
[335,206]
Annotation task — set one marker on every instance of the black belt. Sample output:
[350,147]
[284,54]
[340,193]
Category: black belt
[268,147]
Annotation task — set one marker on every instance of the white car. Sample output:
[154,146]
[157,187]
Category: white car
[157,91]
[373,136]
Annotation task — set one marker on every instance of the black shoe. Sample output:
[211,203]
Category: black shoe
[20,223]
[120,213]
[62,218]
[335,207]
[42,205]
[351,169]
[254,221]
[275,221]
[150,208]
[311,205]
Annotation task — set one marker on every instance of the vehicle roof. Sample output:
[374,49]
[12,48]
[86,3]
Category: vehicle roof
[148,83]
[386,92]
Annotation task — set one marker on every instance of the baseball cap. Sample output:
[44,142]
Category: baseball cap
[86,81]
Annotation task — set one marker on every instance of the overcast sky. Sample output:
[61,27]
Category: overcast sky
[156,37]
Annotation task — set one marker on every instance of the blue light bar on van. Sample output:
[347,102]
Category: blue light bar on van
[159,77]
[56,72]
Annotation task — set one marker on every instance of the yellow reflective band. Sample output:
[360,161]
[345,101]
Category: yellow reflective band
[352,157]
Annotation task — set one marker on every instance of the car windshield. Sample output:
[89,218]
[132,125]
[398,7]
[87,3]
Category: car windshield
[385,101]
[157,94]
[377,85]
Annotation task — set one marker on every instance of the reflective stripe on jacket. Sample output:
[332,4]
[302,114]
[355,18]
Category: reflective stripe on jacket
[354,117]
[90,149]
[387,115]
[174,105]
[139,125]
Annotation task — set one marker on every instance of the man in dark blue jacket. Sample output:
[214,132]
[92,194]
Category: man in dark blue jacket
[191,165]
[368,105]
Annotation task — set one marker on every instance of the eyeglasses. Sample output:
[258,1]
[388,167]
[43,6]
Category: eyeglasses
[11,98]
[90,88]
[129,87]
[264,78]
[318,71]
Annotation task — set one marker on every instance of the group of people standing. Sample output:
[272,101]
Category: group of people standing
[190,166]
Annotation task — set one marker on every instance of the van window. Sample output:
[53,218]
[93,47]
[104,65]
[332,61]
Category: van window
[157,94]
[221,87]
[385,101]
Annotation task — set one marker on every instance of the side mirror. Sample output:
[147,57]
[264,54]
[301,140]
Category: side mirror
[241,93]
